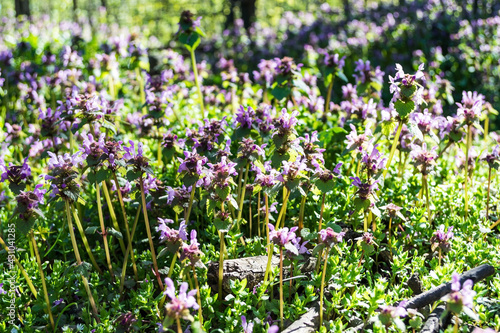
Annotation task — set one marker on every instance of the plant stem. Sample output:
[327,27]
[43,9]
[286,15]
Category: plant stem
[141,89]
[129,248]
[197,81]
[104,232]
[301,213]
[390,228]
[281,287]
[179,328]
[440,256]
[79,260]
[467,169]
[365,226]
[191,199]
[258,214]
[242,196]
[42,276]
[127,229]
[148,231]
[328,96]
[488,197]
[200,314]
[112,214]
[250,215]
[444,149]
[286,195]
[427,201]
[393,148]
[221,263]
[322,289]
[26,276]
[84,239]
[321,212]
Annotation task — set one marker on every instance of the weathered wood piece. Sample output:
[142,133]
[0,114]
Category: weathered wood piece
[428,297]
[250,268]
[307,323]
[434,322]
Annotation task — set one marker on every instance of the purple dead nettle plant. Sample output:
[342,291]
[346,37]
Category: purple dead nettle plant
[424,161]
[391,315]
[179,304]
[367,244]
[407,95]
[27,213]
[393,211]
[191,168]
[217,180]
[461,298]
[248,152]
[63,177]
[138,165]
[493,160]
[283,238]
[356,143]
[328,238]
[469,112]
[441,241]
[366,197]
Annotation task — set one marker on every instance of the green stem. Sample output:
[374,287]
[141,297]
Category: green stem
[242,197]
[328,97]
[104,232]
[197,81]
[390,228]
[488,197]
[281,287]
[84,239]
[179,328]
[301,212]
[142,94]
[26,276]
[258,214]
[393,148]
[283,208]
[79,260]
[127,230]
[221,263]
[427,201]
[148,231]
[322,289]
[467,170]
[112,214]
[42,276]
[198,294]
[129,248]
[191,199]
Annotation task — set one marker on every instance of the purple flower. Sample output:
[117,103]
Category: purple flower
[15,174]
[423,159]
[357,142]
[286,123]
[249,150]
[179,305]
[365,73]
[329,237]
[442,238]
[28,201]
[2,291]
[493,158]
[191,251]
[245,118]
[373,162]
[471,107]
[173,237]
[192,164]
[283,236]
[267,177]
[291,171]
[405,86]
[334,61]
[247,326]
[389,313]
[459,298]
[219,174]
[364,189]
[273,329]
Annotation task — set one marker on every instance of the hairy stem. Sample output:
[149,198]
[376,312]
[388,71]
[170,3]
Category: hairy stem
[393,148]
[113,215]
[148,231]
[198,295]
[104,232]
[42,276]
[197,81]
[84,239]
[322,288]
[281,287]
[129,249]
[469,134]
[23,272]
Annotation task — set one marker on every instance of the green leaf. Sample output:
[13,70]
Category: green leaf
[106,124]
[404,108]
[115,233]
[360,204]
[317,249]
[342,76]
[91,230]
[280,92]
[223,226]
[388,127]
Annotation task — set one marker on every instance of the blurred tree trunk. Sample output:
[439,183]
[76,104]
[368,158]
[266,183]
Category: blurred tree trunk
[347,9]
[22,7]
[248,10]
